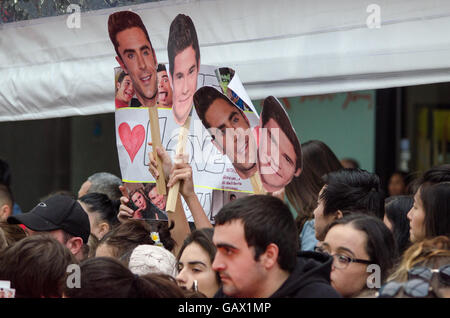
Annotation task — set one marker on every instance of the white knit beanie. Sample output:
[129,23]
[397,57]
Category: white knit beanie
[147,259]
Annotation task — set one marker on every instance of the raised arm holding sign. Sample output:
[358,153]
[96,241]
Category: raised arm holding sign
[137,58]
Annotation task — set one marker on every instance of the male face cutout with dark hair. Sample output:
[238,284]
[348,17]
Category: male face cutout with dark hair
[229,128]
[184,60]
[124,90]
[279,151]
[164,89]
[135,54]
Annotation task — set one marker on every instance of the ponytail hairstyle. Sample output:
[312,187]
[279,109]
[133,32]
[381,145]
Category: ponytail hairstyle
[105,208]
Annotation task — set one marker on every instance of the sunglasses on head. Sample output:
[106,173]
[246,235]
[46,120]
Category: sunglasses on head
[413,288]
[426,273]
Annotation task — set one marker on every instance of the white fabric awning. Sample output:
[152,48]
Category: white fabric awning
[283,48]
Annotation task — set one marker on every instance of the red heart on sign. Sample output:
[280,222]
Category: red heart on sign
[131,139]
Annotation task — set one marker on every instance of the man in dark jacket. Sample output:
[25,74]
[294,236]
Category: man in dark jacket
[256,256]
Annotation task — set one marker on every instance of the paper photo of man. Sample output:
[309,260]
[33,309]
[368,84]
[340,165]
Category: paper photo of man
[135,54]
[164,88]
[124,89]
[184,64]
[143,207]
[279,150]
[229,128]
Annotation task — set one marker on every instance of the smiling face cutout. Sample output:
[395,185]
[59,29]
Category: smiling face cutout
[279,151]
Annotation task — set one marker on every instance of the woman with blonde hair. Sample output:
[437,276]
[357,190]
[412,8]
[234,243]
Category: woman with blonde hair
[423,272]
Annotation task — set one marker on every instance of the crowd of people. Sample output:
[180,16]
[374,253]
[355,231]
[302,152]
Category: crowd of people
[349,239]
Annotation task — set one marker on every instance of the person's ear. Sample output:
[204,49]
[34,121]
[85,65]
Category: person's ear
[122,64]
[5,211]
[339,214]
[103,228]
[74,245]
[297,173]
[270,257]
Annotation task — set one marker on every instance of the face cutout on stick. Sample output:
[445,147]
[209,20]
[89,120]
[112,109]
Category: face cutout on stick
[135,54]
[229,128]
[184,62]
[279,151]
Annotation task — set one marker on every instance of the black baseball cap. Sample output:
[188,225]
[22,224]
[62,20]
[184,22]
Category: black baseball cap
[59,212]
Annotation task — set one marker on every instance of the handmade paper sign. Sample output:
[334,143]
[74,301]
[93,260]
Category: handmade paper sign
[211,169]
[137,59]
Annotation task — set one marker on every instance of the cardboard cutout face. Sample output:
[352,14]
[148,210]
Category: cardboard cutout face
[229,128]
[164,89]
[184,60]
[124,90]
[279,151]
[138,59]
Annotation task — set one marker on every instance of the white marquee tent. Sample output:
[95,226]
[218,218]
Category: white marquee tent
[282,48]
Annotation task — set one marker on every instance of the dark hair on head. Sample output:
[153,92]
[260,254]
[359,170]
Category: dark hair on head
[436,203]
[354,164]
[105,277]
[100,203]
[149,187]
[202,237]
[350,190]
[396,211]
[123,20]
[161,68]
[272,109]
[203,99]
[380,243]
[431,176]
[128,235]
[436,175]
[13,233]
[182,35]
[163,228]
[36,266]
[303,191]
[121,76]
[266,219]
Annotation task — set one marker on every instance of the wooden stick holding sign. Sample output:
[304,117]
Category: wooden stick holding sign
[156,142]
[181,148]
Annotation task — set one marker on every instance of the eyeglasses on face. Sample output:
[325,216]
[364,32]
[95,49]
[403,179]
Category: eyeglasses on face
[341,261]
[413,288]
[426,273]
